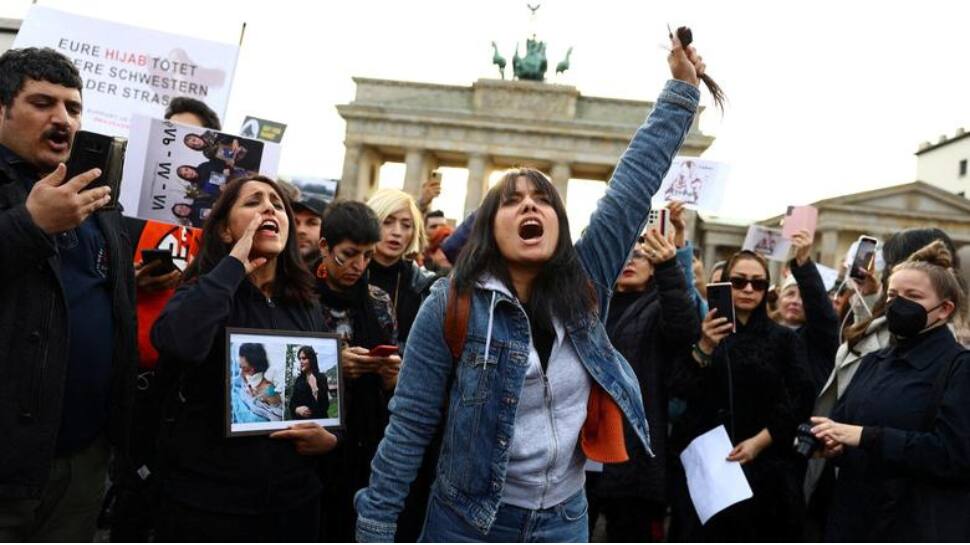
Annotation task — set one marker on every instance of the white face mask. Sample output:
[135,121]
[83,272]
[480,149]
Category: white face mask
[254,379]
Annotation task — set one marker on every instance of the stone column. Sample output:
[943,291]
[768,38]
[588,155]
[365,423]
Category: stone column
[830,247]
[368,173]
[477,182]
[415,173]
[560,178]
[351,171]
[710,257]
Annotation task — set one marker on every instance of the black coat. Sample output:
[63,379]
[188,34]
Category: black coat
[201,468]
[910,478]
[34,340]
[820,332]
[303,397]
[654,330]
[761,372]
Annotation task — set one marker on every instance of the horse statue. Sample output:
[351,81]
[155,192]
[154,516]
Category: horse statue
[564,64]
[498,60]
[533,66]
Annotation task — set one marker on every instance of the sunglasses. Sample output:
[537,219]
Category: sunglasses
[757,284]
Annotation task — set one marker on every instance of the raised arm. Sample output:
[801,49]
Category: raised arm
[621,213]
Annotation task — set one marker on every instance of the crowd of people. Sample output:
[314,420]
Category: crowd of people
[537,387]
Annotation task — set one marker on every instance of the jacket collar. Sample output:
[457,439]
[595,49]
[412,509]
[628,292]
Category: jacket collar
[925,350]
[488,282]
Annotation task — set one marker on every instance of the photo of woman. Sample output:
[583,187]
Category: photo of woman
[310,397]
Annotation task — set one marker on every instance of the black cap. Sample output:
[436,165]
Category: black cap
[310,204]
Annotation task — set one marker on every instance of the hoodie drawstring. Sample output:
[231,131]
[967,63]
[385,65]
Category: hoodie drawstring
[488,334]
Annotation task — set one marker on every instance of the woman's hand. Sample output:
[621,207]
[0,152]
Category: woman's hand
[678,222]
[685,65]
[308,438]
[831,431]
[389,369]
[870,284]
[303,411]
[658,249]
[357,362]
[802,243]
[749,449]
[713,331]
[150,283]
[244,246]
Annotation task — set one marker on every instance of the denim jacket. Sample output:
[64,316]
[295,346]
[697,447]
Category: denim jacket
[478,411]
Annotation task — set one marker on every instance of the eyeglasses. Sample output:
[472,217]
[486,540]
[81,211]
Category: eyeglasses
[637,255]
[757,284]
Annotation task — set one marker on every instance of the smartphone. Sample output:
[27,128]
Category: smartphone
[93,150]
[436,176]
[659,219]
[383,351]
[165,256]
[719,298]
[865,255]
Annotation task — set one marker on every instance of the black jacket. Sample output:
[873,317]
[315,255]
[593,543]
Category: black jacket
[408,285]
[651,333]
[910,478]
[760,372]
[200,467]
[820,333]
[303,397]
[34,340]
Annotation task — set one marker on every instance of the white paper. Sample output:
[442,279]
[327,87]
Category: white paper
[714,483]
[593,467]
[829,276]
[767,242]
[131,70]
[697,183]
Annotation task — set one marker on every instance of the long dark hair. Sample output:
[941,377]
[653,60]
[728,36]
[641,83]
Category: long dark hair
[293,283]
[311,355]
[561,289]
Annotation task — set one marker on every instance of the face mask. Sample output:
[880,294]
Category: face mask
[254,379]
[907,318]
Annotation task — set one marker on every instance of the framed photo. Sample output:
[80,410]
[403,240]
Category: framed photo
[275,379]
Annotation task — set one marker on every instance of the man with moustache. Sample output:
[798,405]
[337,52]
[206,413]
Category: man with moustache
[308,216]
[67,321]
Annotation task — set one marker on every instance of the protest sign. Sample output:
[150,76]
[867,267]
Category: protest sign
[173,173]
[697,183]
[767,242]
[263,129]
[129,70]
[798,218]
[324,189]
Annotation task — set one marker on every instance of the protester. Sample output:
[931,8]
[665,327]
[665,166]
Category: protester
[363,316]
[248,274]
[433,220]
[67,322]
[308,214]
[755,382]
[868,335]
[804,306]
[652,320]
[533,362]
[900,434]
[392,270]
[435,259]
[311,398]
[194,112]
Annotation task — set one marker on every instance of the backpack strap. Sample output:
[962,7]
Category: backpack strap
[457,312]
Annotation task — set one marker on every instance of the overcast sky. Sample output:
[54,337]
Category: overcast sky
[826,97]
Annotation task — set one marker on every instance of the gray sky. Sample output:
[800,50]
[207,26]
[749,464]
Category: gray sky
[826,97]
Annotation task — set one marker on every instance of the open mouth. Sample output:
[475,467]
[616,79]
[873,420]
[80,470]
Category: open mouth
[269,226]
[58,140]
[530,229]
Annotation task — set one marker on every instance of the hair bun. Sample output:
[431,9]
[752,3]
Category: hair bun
[934,253]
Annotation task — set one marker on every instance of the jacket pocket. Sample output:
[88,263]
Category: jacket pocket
[476,374]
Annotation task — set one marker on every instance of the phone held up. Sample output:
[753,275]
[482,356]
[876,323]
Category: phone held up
[164,256]
[719,299]
[383,351]
[865,256]
[93,150]
[659,219]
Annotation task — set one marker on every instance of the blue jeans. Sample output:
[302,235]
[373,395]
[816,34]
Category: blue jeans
[563,523]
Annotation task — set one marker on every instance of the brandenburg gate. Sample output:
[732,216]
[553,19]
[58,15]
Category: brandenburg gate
[494,124]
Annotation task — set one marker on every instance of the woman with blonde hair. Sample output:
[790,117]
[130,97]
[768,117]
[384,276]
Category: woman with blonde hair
[393,269]
[900,434]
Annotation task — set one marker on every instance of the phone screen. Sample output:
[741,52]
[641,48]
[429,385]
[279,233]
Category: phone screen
[864,256]
[719,298]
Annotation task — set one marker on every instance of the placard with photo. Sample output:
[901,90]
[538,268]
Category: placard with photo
[275,379]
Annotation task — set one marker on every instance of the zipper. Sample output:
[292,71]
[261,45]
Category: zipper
[547,396]
[37,377]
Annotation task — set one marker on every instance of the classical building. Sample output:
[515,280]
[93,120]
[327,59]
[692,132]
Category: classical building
[944,164]
[493,124]
[8,31]
[841,220]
